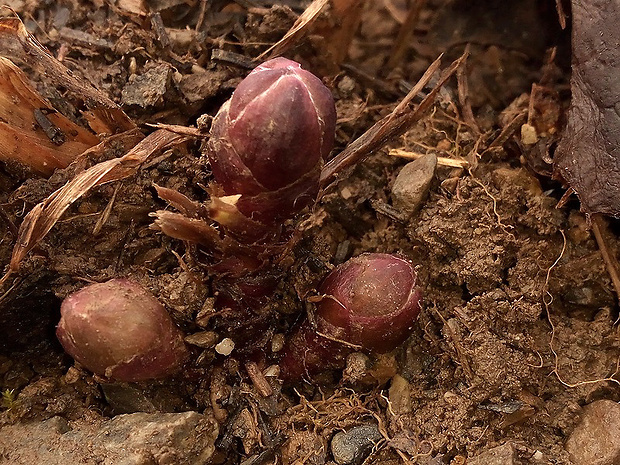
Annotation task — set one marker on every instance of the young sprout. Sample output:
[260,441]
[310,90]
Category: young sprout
[369,304]
[269,141]
[119,330]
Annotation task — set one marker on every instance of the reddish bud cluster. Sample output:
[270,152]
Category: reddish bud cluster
[369,303]
[119,330]
[268,142]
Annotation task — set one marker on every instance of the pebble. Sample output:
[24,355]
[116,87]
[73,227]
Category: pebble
[204,339]
[400,396]
[412,184]
[596,439]
[353,446]
[225,347]
[500,455]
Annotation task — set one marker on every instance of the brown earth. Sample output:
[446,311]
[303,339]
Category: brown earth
[517,333]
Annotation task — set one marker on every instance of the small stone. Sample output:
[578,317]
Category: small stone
[595,440]
[444,144]
[203,339]
[500,455]
[400,395]
[412,184]
[126,398]
[225,347]
[353,446]
[277,342]
[272,371]
[135,439]
[346,86]
[528,134]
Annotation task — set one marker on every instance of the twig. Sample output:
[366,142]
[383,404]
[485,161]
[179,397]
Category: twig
[443,161]
[389,127]
[508,131]
[106,213]
[258,379]
[305,20]
[601,229]
[405,33]
[463,93]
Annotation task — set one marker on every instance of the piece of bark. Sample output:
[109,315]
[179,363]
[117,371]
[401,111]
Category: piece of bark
[588,156]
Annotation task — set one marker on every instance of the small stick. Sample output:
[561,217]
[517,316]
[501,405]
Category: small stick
[106,213]
[405,33]
[393,125]
[508,131]
[160,30]
[443,161]
[299,29]
[258,379]
[600,229]
[463,92]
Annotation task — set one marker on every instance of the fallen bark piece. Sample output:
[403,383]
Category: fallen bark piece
[588,156]
[16,43]
[43,216]
[595,440]
[150,89]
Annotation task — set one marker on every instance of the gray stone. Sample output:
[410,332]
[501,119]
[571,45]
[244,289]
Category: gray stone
[137,439]
[596,439]
[500,455]
[353,446]
[412,184]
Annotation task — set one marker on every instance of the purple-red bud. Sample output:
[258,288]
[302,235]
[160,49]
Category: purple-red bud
[119,330]
[268,142]
[369,303]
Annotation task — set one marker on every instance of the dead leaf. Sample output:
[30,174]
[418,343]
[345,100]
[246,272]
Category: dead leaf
[18,44]
[588,156]
[42,218]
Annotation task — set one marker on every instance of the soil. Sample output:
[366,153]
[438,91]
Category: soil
[518,328]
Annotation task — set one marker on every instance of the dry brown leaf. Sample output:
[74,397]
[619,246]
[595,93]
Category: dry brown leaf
[294,34]
[338,32]
[18,44]
[179,226]
[23,138]
[348,15]
[133,7]
[588,155]
[181,202]
[42,218]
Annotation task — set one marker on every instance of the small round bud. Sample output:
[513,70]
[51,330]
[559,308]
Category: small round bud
[119,330]
[369,303]
[268,142]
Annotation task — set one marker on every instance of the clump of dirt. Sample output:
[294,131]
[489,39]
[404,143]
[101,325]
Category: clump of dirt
[517,331]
